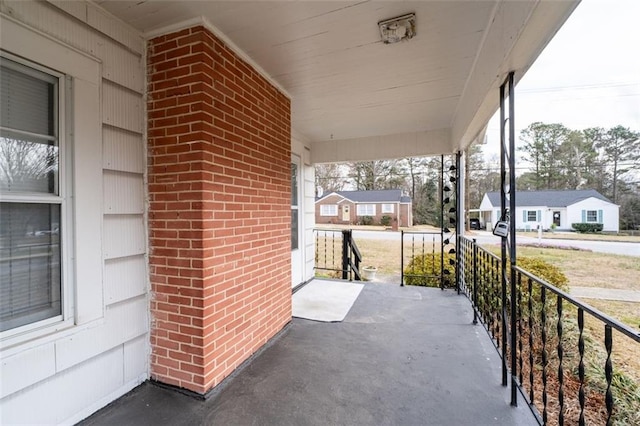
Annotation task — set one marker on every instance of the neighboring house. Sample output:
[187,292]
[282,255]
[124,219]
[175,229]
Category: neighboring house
[350,207]
[562,208]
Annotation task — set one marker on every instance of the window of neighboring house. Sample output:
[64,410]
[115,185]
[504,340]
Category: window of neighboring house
[388,208]
[329,210]
[366,210]
[32,203]
[592,216]
[531,215]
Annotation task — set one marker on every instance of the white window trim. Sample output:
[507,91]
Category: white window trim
[61,198]
[81,238]
[586,216]
[328,210]
[361,207]
[388,208]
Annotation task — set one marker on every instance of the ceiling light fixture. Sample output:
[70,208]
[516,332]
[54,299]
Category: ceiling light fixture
[397,29]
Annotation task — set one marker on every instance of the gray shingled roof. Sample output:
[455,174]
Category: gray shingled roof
[380,196]
[549,198]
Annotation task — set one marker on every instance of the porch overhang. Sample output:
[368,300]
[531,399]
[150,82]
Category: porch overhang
[355,98]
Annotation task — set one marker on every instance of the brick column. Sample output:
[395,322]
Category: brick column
[219,154]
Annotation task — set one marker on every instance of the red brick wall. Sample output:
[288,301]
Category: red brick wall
[405,215]
[333,200]
[219,141]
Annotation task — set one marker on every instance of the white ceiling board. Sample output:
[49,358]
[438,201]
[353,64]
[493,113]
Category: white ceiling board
[343,81]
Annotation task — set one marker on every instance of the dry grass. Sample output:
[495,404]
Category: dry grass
[384,255]
[589,269]
[627,312]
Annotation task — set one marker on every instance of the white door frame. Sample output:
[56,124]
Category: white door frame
[297,254]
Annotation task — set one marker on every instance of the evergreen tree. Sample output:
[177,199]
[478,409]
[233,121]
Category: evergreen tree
[542,145]
[620,148]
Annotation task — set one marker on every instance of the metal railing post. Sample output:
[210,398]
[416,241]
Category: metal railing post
[475,282]
[442,222]
[346,235]
[402,258]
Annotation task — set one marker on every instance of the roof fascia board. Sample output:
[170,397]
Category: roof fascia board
[370,148]
[333,193]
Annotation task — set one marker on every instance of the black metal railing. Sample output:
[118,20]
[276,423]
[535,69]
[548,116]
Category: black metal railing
[560,353]
[338,253]
[421,258]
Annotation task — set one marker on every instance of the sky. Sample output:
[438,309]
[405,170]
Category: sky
[587,76]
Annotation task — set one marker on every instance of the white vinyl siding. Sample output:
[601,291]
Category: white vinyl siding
[105,342]
[366,210]
[388,208]
[606,213]
[329,210]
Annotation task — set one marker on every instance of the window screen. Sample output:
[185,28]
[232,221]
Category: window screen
[30,253]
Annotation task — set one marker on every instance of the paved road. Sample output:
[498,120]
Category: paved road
[483,237]
[606,294]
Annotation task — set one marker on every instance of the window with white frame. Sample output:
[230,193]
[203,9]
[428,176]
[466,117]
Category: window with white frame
[366,210]
[32,193]
[388,208]
[592,216]
[329,210]
[531,215]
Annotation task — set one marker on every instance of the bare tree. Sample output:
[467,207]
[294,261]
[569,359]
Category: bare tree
[25,165]
[330,177]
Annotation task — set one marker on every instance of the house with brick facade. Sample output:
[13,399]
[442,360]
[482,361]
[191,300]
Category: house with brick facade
[389,207]
[160,203]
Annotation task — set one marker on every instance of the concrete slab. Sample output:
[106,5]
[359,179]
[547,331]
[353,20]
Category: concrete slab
[402,356]
[325,300]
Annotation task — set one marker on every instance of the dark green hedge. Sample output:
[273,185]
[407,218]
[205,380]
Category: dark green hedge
[585,228]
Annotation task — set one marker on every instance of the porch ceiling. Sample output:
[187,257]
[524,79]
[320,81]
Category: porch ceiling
[348,89]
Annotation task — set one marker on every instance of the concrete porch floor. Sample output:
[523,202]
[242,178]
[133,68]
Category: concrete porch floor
[403,356]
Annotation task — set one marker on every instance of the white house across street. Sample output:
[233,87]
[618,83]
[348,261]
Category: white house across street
[554,209]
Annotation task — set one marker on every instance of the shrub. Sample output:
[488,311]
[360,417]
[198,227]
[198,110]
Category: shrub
[385,220]
[536,267]
[585,228]
[366,220]
[544,270]
[424,270]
